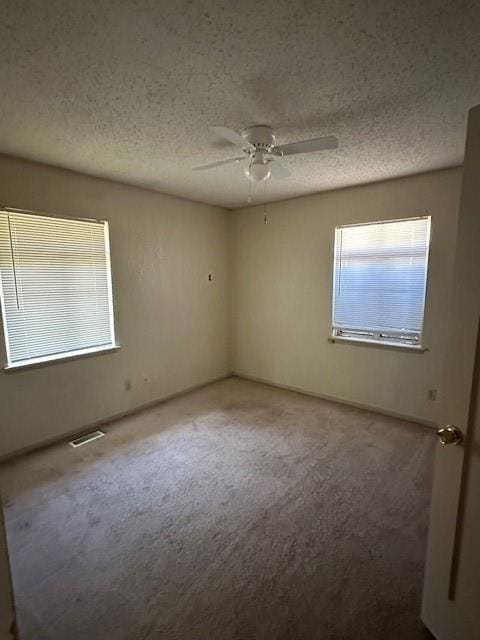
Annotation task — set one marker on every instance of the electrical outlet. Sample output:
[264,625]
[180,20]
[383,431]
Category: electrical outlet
[432,394]
[210,277]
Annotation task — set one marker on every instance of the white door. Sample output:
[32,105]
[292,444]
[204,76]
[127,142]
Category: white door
[451,598]
[7,610]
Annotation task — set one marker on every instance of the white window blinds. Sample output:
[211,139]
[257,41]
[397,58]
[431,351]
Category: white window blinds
[380,276]
[55,287]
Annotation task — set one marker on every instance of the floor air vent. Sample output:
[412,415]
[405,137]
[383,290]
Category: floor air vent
[88,437]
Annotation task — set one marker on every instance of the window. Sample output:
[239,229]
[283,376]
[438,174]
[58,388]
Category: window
[379,281]
[56,291]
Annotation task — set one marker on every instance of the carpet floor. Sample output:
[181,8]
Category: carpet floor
[236,512]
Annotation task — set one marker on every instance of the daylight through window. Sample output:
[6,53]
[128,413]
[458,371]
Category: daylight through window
[379,281]
[56,288]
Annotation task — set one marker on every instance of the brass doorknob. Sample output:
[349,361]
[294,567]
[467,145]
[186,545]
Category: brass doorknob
[450,434]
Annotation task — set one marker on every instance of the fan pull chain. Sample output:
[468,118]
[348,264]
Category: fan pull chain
[265,202]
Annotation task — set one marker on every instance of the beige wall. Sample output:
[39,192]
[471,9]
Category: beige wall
[172,324]
[282,288]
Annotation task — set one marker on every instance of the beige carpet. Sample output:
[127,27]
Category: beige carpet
[236,512]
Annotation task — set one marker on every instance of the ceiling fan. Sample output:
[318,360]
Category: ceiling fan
[261,154]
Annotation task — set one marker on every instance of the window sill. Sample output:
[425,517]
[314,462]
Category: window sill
[377,343]
[71,355]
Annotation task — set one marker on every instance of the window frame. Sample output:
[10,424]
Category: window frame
[384,337]
[10,366]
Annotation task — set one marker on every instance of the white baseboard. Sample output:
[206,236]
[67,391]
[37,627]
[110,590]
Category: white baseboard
[75,433]
[124,414]
[349,403]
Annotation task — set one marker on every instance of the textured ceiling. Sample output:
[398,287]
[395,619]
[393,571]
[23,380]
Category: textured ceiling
[127,89]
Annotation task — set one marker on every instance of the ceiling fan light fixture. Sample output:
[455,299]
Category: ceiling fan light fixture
[257,169]
[258,172]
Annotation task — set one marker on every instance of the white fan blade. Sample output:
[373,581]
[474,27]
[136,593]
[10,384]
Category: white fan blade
[307,146]
[277,170]
[212,165]
[231,136]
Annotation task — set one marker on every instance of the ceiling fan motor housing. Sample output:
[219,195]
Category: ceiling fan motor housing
[260,136]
